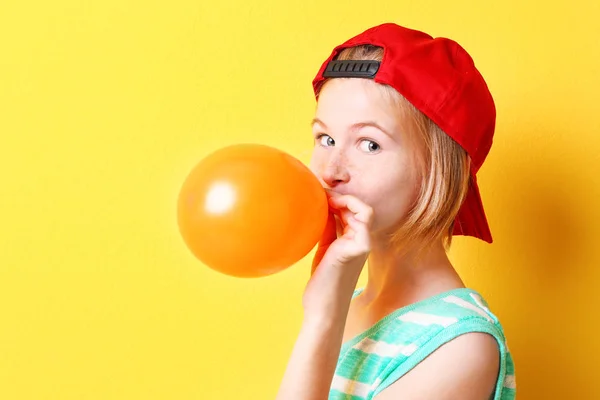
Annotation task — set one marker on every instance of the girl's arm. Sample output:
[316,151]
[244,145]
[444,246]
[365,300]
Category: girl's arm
[336,268]
[314,357]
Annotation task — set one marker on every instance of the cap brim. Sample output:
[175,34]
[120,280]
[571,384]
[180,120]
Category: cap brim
[471,219]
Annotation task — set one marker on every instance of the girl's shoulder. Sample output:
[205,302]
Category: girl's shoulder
[457,310]
[410,334]
[461,302]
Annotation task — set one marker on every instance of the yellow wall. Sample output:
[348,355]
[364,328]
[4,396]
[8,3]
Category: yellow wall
[106,105]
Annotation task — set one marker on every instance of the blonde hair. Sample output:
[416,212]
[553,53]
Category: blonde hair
[444,172]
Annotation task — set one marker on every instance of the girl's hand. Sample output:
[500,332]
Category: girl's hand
[339,261]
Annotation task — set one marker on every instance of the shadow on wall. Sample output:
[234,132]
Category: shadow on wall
[545,239]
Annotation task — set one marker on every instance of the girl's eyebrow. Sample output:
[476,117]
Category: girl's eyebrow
[318,121]
[357,126]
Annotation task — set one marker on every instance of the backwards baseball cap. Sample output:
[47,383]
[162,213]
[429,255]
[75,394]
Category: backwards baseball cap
[439,78]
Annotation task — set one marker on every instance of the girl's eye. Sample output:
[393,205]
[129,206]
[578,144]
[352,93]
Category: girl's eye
[369,146]
[325,140]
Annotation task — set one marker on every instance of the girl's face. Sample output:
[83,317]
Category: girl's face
[362,148]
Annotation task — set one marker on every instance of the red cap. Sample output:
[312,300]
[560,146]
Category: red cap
[439,78]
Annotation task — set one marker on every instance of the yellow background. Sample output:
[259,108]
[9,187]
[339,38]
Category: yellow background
[106,105]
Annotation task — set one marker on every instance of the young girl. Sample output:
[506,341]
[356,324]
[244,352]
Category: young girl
[403,123]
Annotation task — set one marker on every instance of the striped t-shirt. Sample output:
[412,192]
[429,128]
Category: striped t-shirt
[376,358]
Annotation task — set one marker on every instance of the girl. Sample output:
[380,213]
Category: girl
[403,123]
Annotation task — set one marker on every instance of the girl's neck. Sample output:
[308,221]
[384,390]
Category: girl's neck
[397,280]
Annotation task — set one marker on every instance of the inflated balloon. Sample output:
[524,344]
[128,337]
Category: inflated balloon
[250,210]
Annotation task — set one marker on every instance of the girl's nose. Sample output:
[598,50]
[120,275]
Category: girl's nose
[335,171]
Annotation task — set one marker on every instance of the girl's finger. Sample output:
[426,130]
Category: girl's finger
[345,215]
[341,213]
[360,233]
[361,211]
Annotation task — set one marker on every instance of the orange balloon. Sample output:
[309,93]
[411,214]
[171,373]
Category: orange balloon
[250,210]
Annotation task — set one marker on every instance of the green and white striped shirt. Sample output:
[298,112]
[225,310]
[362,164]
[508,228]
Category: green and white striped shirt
[376,358]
